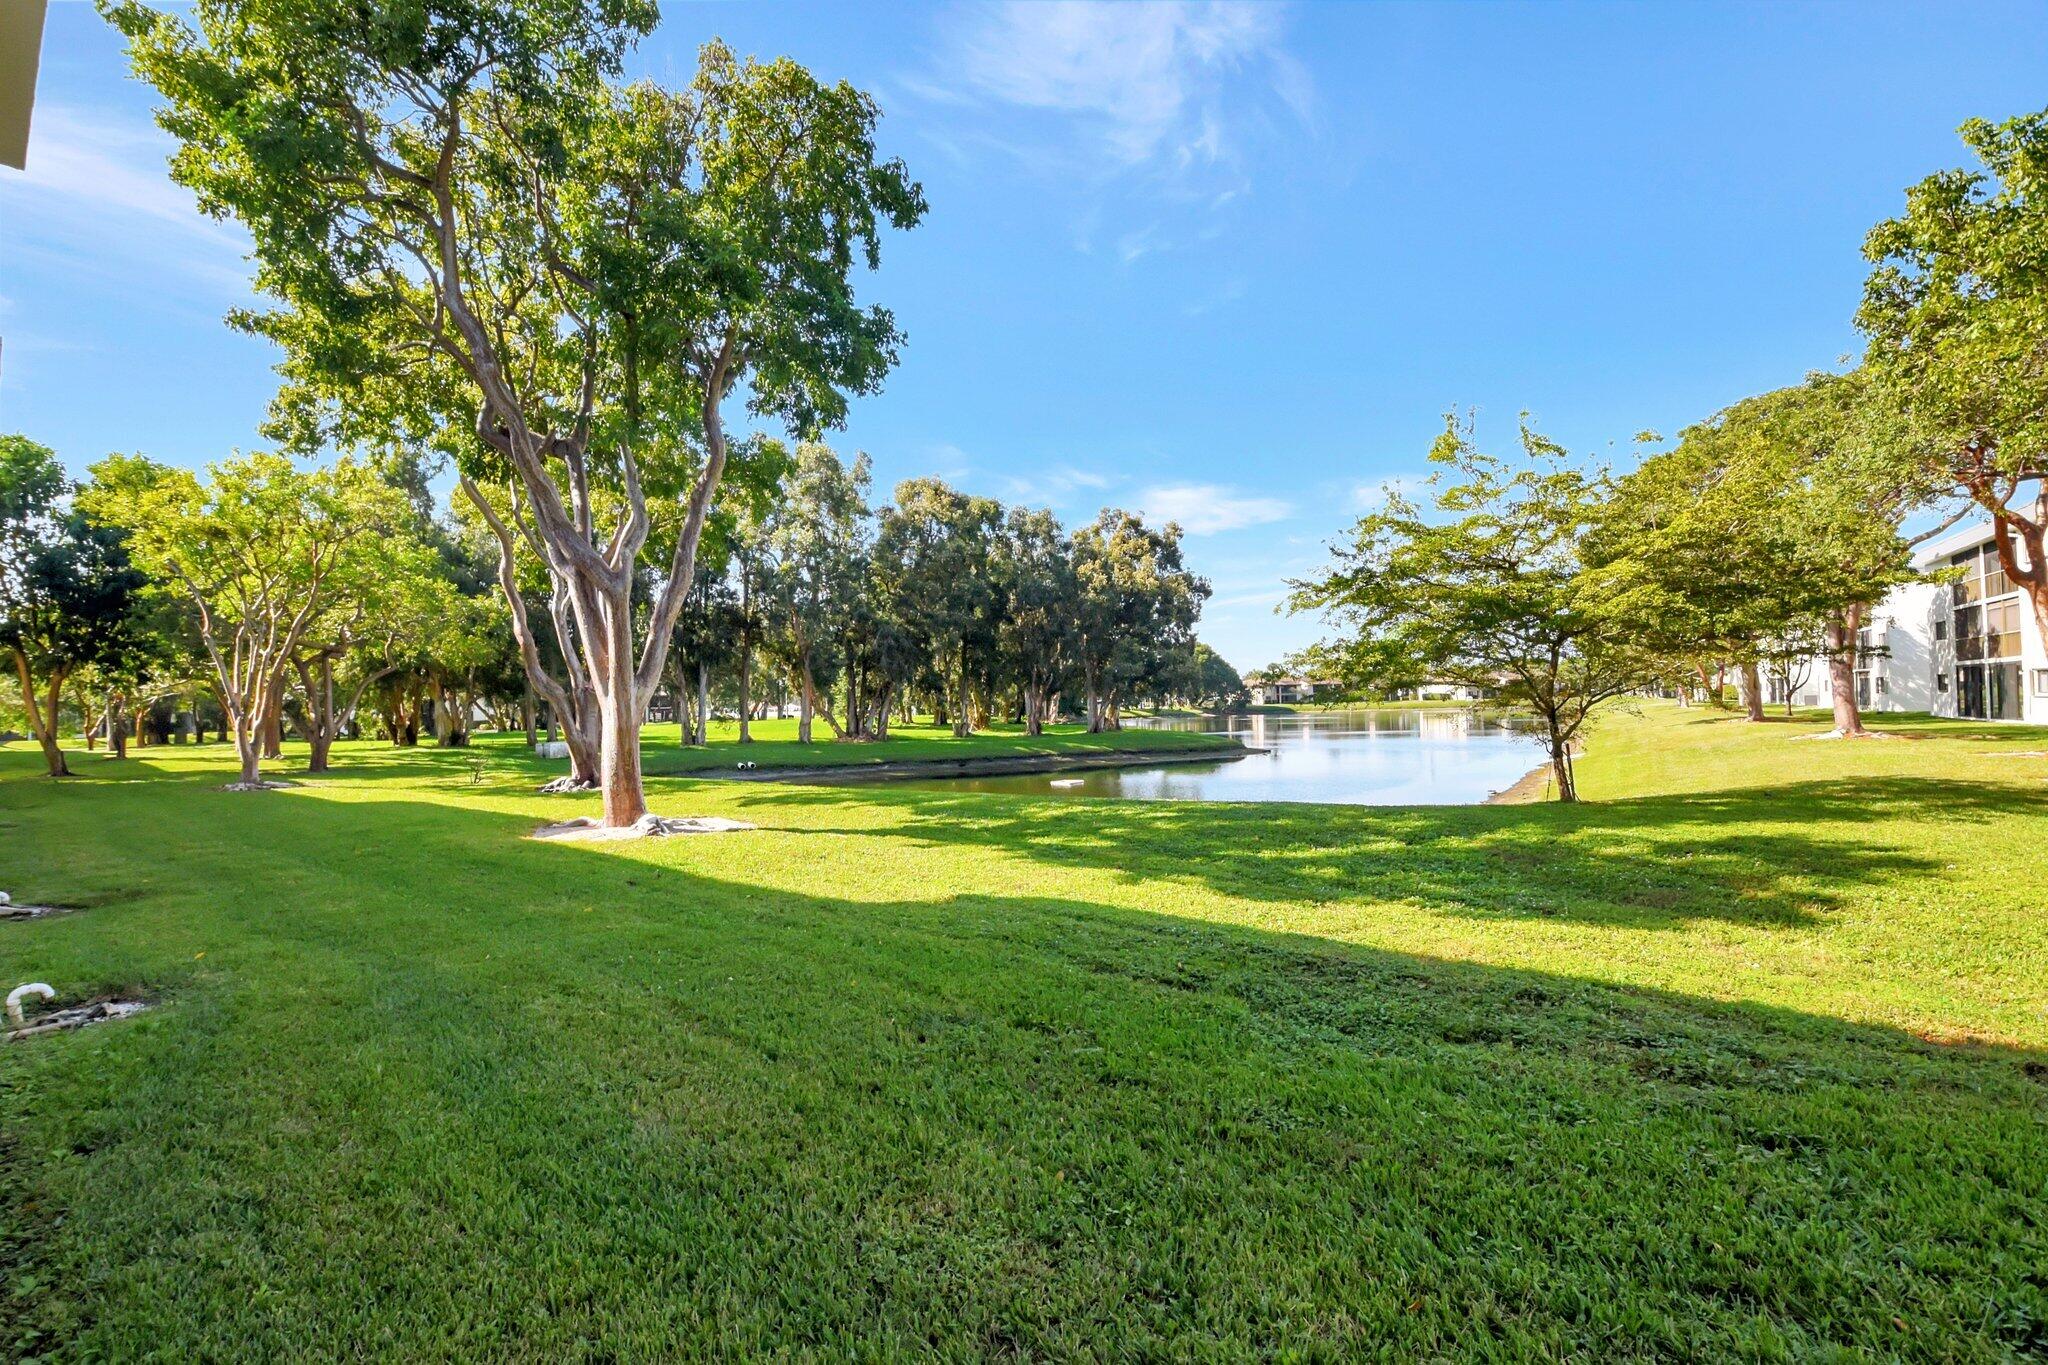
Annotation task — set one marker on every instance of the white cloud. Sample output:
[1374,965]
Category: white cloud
[97,198]
[1206,508]
[1056,486]
[1146,80]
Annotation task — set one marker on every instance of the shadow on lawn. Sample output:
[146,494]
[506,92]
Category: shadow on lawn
[988,1123]
[1743,856]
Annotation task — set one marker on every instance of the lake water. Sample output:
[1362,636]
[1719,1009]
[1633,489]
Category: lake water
[1359,758]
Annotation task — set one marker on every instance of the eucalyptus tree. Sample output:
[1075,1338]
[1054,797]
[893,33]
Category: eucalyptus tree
[1487,586]
[1040,627]
[261,549]
[68,591]
[938,544]
[816,545]
[463,209]
[1137,607]
[1956,308]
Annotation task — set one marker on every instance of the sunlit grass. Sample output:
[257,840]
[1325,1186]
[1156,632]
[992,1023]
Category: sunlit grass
[907,1072]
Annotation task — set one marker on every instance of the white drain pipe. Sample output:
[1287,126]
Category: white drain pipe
[36,988]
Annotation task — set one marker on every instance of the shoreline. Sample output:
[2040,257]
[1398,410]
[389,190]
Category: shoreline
[1526,790]
[997,765]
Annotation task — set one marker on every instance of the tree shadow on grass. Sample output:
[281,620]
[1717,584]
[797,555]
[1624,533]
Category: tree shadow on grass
[688,1110]
[1746,856]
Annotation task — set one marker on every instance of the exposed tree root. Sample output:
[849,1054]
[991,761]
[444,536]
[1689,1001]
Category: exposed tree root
[649,826]
[78,1016]
[568,784]
[265,786]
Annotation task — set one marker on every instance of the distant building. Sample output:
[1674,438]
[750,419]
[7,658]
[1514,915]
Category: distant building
[1287,691]
[1970,649]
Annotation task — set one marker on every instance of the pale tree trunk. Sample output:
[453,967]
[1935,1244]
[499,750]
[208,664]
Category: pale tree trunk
[1034,713]
[963,724]
[44,726]
[526,714]
[619,707]
[117,725]
[1752,690]
[703,702]
[1841,641]
[746,689]
[91,720]
[803,706]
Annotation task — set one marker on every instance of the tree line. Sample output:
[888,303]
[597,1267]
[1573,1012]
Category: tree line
[1761,538]
[337,601]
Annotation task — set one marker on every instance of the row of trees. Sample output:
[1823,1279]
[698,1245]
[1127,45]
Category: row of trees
[1763,535]
[302,597]
[282,596]
[939,601]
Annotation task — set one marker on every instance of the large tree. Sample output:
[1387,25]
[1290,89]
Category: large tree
[1486,587]
[1957,313]
[68,593]
[1040,628]
[1777,517]
[461,208]
[1137,609]
[937,543]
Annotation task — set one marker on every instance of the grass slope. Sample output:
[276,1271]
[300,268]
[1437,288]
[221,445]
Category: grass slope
[921,1073]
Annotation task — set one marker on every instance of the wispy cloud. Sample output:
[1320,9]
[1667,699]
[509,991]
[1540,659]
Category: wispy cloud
[1054,486]
[1144,83]
[1206,508]
[97,199]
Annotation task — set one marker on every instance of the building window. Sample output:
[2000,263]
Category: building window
[1940,628]
[1941,681]
[2041,682]
[1880,685]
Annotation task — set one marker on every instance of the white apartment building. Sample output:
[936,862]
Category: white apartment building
[1971,648]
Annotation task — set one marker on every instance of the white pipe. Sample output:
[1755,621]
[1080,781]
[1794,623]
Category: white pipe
[32,988]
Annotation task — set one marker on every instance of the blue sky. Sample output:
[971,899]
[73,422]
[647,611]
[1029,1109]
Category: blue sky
[1227,263]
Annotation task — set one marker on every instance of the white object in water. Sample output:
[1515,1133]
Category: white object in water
[36,988]
[1067,782]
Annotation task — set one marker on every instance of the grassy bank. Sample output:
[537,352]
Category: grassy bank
[1743,1057]
[775,745]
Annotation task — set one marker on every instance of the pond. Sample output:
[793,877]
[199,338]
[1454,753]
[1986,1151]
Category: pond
[1393,757]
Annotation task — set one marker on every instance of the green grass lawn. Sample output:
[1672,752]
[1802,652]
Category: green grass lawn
[1742,1058]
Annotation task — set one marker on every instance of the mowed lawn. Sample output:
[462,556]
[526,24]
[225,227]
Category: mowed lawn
[1743,1058]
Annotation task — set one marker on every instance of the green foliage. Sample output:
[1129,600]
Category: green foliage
[1489,588]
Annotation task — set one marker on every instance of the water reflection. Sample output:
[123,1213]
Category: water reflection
[1364,757]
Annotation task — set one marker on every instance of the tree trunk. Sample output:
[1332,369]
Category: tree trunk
[117,724]
[526,713]
[273,722]
[703,702]
[963,724]
[746,689]
[1841,637]
[619,763]
[1561,770]
[43,728]
[320,716]
[803,706]
[1752,690]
